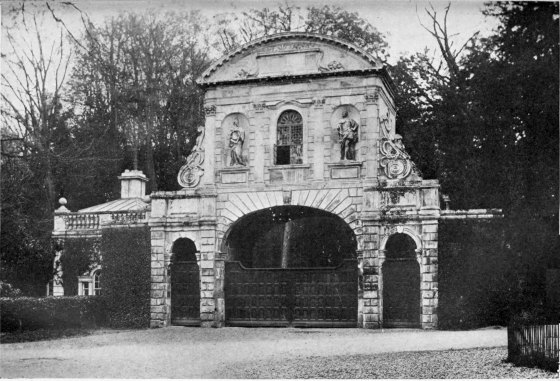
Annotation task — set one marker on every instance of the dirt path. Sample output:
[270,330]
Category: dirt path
[179,352]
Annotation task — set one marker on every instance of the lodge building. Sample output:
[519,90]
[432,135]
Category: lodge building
[300,206]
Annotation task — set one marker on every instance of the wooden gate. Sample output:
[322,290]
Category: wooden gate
[185,293]
[401,293]
[298,297]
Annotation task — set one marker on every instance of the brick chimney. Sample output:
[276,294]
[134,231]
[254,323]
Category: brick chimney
[133,184]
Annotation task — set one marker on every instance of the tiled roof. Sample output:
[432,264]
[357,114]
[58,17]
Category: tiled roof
[121,205]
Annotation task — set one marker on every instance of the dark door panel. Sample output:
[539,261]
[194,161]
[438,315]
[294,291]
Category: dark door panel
[185,293]
[401,293]
[302,297]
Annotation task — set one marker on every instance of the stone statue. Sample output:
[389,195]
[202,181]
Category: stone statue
[348,134]
[236,140]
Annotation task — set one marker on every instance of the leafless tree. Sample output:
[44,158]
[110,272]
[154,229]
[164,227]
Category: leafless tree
[32,83]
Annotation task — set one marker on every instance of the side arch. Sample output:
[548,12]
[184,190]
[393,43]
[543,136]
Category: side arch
[405,230]
[400,282]
[185,283]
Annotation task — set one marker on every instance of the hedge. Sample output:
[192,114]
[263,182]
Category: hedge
[126,263]
[53,312]
[475,274]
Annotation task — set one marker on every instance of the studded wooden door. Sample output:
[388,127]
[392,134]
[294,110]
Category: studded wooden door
[299,297]
[401,293]
[185,293]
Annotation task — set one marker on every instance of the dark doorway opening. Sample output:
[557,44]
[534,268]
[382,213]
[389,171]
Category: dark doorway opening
[185,284]
[291,266]
[401,283]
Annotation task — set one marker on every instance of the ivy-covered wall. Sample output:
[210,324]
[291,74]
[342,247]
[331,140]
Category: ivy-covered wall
[125,282]
[476,281]
[80,255]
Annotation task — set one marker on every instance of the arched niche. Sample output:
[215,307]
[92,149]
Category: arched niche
[235,132]
[336,119]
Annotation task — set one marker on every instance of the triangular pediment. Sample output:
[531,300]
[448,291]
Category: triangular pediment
[289,55]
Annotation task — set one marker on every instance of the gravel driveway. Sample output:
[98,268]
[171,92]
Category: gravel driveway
[181,352]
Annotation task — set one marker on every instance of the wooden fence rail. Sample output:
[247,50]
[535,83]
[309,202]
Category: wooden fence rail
[534,345]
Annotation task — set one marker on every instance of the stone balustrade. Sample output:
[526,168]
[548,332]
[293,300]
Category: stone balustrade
[79,221]
[91,221]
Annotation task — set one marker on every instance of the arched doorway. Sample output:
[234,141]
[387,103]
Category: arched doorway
[291,266]
[401,283]
[185,284]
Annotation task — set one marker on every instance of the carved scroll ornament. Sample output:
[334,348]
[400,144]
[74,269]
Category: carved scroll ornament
[190,173]
[395,160]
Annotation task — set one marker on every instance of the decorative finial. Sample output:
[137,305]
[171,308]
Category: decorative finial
[446,200]
[62,208]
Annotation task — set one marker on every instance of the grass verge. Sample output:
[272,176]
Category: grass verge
[42,334]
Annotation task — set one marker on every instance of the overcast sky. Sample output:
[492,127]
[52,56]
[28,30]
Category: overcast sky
[400,21]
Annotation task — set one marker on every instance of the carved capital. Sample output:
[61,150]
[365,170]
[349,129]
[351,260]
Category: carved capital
[318,102]
[372,96]
[210,110]
[259,107]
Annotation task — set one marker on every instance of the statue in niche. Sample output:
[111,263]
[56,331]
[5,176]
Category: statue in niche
[348,134]
[236,140]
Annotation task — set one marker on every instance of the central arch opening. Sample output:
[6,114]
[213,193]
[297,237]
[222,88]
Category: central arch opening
[290,237]
[291,266]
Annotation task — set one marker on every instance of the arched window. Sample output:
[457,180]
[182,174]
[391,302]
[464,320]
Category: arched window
[90,284]
[289,139]
[97,282]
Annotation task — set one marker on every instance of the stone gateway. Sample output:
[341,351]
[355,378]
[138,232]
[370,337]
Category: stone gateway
[300,205]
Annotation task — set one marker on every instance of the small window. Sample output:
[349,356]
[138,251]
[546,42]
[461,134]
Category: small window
[85,288]
[289,139]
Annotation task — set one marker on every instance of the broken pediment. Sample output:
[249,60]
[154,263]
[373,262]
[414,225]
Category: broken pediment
[289,55]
